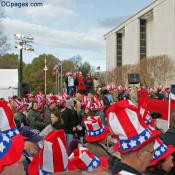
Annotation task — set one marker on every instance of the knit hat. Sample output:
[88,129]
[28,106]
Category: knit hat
[95,130]
[126,122]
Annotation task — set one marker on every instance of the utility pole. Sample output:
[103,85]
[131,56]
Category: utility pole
[23,43]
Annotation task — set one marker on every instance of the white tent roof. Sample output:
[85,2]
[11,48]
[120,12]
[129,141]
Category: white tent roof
[8,78]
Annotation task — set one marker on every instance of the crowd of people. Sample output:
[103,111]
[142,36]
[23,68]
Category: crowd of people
[89,129]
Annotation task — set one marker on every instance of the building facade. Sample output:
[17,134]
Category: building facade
[150,32]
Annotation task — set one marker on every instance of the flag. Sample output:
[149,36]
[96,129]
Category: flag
[172,93]
[98,68]
[55,69]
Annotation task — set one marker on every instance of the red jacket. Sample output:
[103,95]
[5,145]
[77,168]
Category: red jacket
[81,86]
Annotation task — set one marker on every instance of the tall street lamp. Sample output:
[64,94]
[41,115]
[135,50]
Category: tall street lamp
[23,43]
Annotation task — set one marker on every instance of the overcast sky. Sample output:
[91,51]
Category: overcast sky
[66,28]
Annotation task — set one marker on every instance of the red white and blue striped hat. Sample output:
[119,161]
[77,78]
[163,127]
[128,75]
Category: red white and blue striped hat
[7,124]
[113,86]
[126,122]
[53,156]
[21,104]
[84,160]
[146,115]
[84,100]
[161,151]
[95,130]
[98,105]
[10,150]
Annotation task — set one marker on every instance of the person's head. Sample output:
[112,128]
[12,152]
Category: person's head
[69,103]
[139,159]
[35,105]
[31,148]
[78,97]
[53,105]
[55,117]
[16,168]
[90,96]
[166,164]
[173,119]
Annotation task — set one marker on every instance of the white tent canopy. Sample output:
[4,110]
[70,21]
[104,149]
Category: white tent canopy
[8,82]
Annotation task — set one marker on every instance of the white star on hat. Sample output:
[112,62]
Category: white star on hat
[163,149]
[97,132]
[95,163]
[124,145]
[10,133]
[141,139]
[148,134]
[2,147]
[157,153]
[132,143]
[5,138]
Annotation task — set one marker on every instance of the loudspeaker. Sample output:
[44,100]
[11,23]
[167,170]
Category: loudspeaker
[133,78]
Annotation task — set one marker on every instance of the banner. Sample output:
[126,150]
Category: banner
[155,105]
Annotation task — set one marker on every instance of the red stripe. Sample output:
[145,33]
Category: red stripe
[125,122]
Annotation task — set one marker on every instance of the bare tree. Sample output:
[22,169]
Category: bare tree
[3,38]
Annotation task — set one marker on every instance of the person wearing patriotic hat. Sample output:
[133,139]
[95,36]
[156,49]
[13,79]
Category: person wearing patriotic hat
[51,102]
[83,159]
[135,139]
[11,142]
[53,157]
[96,137]
[162,160]
[34,117]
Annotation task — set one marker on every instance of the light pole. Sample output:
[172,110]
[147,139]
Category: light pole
[45,76]
[23,43]
[60,70]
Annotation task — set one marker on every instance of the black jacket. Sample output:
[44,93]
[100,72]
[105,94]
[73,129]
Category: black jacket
[69,119]
[119,166]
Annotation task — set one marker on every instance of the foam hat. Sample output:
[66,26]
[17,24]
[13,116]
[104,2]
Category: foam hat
[10,150]
[146,115]
[53,157]
[98,105]
[126,122]
[161,151]
[7,124]
[20,104]
[95,130]
[85,161]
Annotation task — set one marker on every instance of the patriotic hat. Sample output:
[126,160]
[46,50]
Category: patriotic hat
[113,86]
[51,99]
[98,105]
[20,104]
[53,157]
[95,130]
[85,161]
[10,150]
[68,73]
[108,87]
[84,100]
[30,96]
[65,96]
[7,124]
[126,122]
[146,115]
[161,151]
[40,100]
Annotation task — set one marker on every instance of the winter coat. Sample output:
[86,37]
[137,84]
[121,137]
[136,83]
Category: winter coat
[126,169]
[34,120]
[69,119]
[81,86]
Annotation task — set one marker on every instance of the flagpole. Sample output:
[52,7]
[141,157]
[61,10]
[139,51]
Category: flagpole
[45,78]
[169,109]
